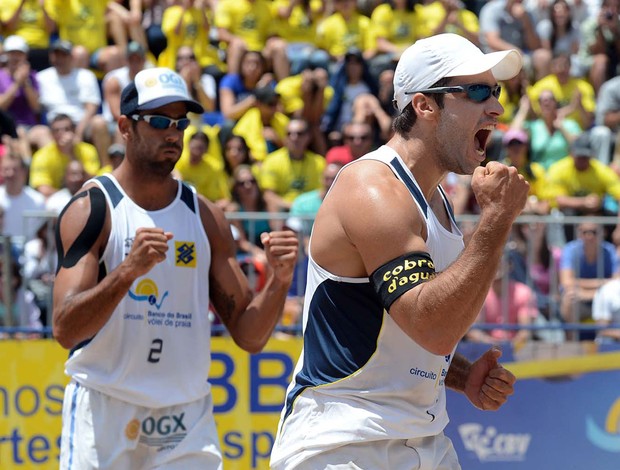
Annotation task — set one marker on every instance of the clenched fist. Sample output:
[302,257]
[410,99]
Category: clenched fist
[501,191]
[148,248]
[281,249]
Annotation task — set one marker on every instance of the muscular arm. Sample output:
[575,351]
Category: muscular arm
[381,227]
[82,303]
[250,320]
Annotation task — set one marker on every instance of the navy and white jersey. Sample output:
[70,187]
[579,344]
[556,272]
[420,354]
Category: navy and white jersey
[154,350]
[360,377]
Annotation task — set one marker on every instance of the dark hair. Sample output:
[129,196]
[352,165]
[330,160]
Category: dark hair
[409,5]
[261,205]
[200,136]
[63,117]
[569,26]
[248,52]
[404,122]
[248,156]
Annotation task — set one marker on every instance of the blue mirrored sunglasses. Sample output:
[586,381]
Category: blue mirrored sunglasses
[162,122]
[477,92]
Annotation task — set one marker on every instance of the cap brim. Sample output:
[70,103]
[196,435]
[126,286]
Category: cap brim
[504,65]
[582,152]
[192,106]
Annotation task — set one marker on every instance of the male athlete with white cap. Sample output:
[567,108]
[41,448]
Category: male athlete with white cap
[391,287]
[140,258]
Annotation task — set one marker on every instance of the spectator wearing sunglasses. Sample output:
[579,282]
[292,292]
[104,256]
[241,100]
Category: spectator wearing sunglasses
[291,170]
[390,281]
[586,263]
[580,184]
[150,248]
[357,139]
[50,162]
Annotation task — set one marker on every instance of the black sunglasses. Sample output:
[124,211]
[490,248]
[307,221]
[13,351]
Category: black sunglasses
[162,122]
[477,92]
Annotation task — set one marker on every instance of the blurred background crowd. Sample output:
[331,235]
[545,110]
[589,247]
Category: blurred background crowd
[295,89]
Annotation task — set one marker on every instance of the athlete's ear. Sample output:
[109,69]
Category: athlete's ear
[424,106]
[124,125]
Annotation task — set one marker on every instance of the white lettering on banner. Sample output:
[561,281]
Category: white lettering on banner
[489,445]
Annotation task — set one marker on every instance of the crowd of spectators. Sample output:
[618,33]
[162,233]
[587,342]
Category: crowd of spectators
[294,89]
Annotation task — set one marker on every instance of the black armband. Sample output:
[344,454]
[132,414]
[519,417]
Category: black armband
[396,277]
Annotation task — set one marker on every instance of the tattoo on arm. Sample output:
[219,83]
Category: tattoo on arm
[458,373]
[224,303]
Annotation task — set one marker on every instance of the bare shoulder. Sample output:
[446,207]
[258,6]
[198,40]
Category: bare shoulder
[367,219]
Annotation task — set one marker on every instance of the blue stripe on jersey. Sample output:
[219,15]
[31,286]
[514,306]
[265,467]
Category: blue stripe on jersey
[187,196]
[339,341]
[413,189]
[447,204]
[79,346]
[111,189]
[72,424]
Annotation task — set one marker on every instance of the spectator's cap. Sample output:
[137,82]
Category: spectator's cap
[355,52]
[447,55]
[512,135]
[267,95]
[135,48]
[15,44]
[62,46]
[116,150]
[582,146]
[156,87]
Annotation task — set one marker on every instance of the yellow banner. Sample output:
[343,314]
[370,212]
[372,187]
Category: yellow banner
[248,392]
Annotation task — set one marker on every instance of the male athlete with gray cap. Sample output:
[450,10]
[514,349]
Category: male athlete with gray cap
[391,287]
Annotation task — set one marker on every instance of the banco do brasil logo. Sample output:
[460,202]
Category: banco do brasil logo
[147,291]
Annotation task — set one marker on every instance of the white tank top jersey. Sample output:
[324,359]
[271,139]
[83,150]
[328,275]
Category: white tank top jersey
[154,351]
[360,377]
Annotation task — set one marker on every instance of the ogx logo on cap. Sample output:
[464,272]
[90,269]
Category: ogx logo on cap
[156,87]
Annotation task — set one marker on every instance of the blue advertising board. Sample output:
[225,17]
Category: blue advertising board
[564,422]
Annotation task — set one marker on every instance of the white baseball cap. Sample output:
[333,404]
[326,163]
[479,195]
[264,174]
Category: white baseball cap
[15,43]
[155,87]
[430,59]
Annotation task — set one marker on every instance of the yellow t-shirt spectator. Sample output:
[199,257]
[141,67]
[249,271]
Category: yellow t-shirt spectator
[49,164]
[208,180]
[81,22]
[289,178]
[289,89]
[214,152]
[31,23]
[564,94]
[300,26]
[565,180]
[431,15]
[398,27]
[336,35]
[250,127]
[251,21]
[192,33]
